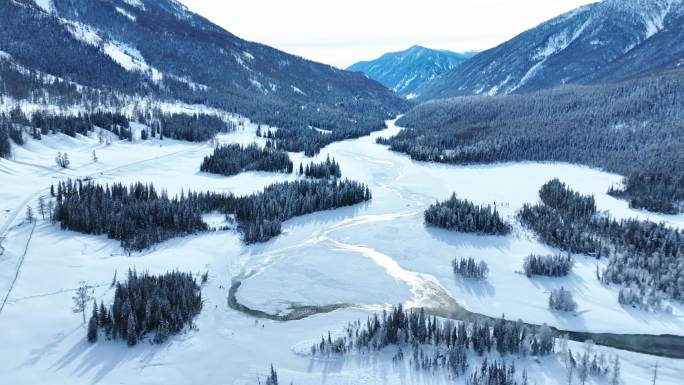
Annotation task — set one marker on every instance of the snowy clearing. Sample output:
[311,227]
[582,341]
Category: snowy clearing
[373,254]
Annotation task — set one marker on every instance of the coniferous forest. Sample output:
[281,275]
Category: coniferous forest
[469,268]
[644,257]
[191,128]
[139,216]
[260,215]
[233,159]
[438,343]
[144,304]
[188,127]
[462,215]
[324,170]
[548,265]
[632,128]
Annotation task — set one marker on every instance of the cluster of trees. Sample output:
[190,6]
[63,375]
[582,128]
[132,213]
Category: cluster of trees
[6,128]
[561,299]
[145,304]
[16,123]
[233,159]
[631,128]
[188,127]
[401,327]
[44,123]
[260,215]
[644,256]
[138,215]
[62,160]
[254,81]
[642,297]
[561,219]
[548,265]
[309,141]
[469,268]
[588,363]
[324,170]
[559,196]
[463,215]
[496,373]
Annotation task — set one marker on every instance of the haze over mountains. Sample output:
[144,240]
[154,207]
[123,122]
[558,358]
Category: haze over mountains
[404,71]
[601,42]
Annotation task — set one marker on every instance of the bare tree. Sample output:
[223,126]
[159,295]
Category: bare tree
[62,160]
[82,297]
[50,207]
[29,215]
[42,209]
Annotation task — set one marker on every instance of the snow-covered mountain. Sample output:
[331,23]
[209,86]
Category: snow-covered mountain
[159,48]
[606,41]
[403,71]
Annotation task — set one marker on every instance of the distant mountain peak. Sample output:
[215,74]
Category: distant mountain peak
[599,42]
[404,71]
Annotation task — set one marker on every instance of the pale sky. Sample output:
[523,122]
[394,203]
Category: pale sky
[341,33]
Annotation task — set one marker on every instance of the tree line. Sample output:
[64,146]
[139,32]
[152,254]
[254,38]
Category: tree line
[462,215]
[144,303]
[196,127]
[323,170]
[469,268]
[631,128]
[260,215]
[232,159]
[449,342]
[139,216]
[548,265]
[401,327]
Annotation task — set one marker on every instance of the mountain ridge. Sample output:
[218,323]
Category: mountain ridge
[161,49]
[587,45]
[403,71]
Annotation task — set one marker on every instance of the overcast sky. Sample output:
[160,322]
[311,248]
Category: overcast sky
[343,32]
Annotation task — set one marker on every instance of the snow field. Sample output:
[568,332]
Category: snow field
[374,254]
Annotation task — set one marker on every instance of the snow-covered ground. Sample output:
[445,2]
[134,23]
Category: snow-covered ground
[379,253]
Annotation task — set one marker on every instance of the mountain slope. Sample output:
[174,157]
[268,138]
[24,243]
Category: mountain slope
[160,49]
[631,127]
[605,41]
[403,71]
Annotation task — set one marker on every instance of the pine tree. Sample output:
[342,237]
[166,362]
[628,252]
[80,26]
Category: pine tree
[92,324]
[615,377]
[131,333]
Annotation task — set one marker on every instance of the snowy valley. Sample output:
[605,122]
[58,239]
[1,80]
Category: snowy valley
[369,257]
[194,208]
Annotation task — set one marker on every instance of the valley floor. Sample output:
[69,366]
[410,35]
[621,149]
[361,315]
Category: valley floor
[371,256]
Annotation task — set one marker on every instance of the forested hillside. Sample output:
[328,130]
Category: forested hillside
[403,71]
[632,128]
[603,42]
[159,49]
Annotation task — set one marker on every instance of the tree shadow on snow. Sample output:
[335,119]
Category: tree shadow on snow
[458,239]
[104,356]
